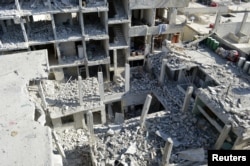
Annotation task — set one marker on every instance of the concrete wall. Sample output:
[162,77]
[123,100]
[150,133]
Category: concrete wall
[125,31]
[188,34]
[62,17]
[126,6]
[68,49]
[149,15]
[149,4]
[225,28]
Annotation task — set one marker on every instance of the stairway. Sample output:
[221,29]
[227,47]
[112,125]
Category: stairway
[119,37]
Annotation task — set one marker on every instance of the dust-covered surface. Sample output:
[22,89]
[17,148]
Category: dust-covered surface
[23,141]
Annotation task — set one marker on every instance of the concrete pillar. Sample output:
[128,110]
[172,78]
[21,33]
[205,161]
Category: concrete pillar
[115,61]
[163,71]
[3,26]
[243,21]
[110,112]
[145,110]
[80,90]
[107,72]
[90,124]
[81,22]
[17,5]
[101,85]
[58,145]
[246,66]
[24,31]
[127,77]
[103,116]
[59,74]
[80,51]
[187,98]
[167,152]
[79,120]
[222,137]
[241,61]
[53,26]
[56,122]
[217,20]
[41,93]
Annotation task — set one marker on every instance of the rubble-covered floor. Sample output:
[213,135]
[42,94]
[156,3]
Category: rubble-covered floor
[127,143]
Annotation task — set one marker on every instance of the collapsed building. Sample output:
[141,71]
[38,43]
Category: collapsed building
[112,83]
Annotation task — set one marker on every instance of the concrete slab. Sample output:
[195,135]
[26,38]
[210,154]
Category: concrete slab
[23,141]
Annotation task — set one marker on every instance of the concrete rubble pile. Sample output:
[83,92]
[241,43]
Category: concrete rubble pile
[75,145]
[65,95]
[97,30]
[112,88]
[141,81]
[128,144]
[12,37]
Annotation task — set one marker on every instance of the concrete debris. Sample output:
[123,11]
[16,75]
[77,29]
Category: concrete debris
[119,118]
[192,154]
[131,149]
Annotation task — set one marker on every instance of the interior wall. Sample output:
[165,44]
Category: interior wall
[188,34]
[125,5]
[67,49]
[149,15]
[62,17]
[125,31]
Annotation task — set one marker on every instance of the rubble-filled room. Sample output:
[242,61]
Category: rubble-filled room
[39,28]
[116,10]
[142,17]
[11,34]
[69,52]
[67,26]
[34,6]
[96,50]
[94,23]
[94,3]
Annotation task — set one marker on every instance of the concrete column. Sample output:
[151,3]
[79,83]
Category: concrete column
[101,85]
[115,62]
[243,21]
[56,122]
[163,71]
[217,20]
[222,137]
[80,90]
[90,124]
[58,145]
[59,74]
[145,110]
[107,72]
[241,62]
[17,5]
[81,23]
[24,31]
[80,51]
[187,98]
[41,93]
[3,26]
[246,66]
[79,120]
[110,112]
[53,25]
[167,152]
[103,116]
[127,77]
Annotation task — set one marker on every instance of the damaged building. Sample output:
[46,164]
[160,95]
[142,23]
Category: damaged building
[122,82]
